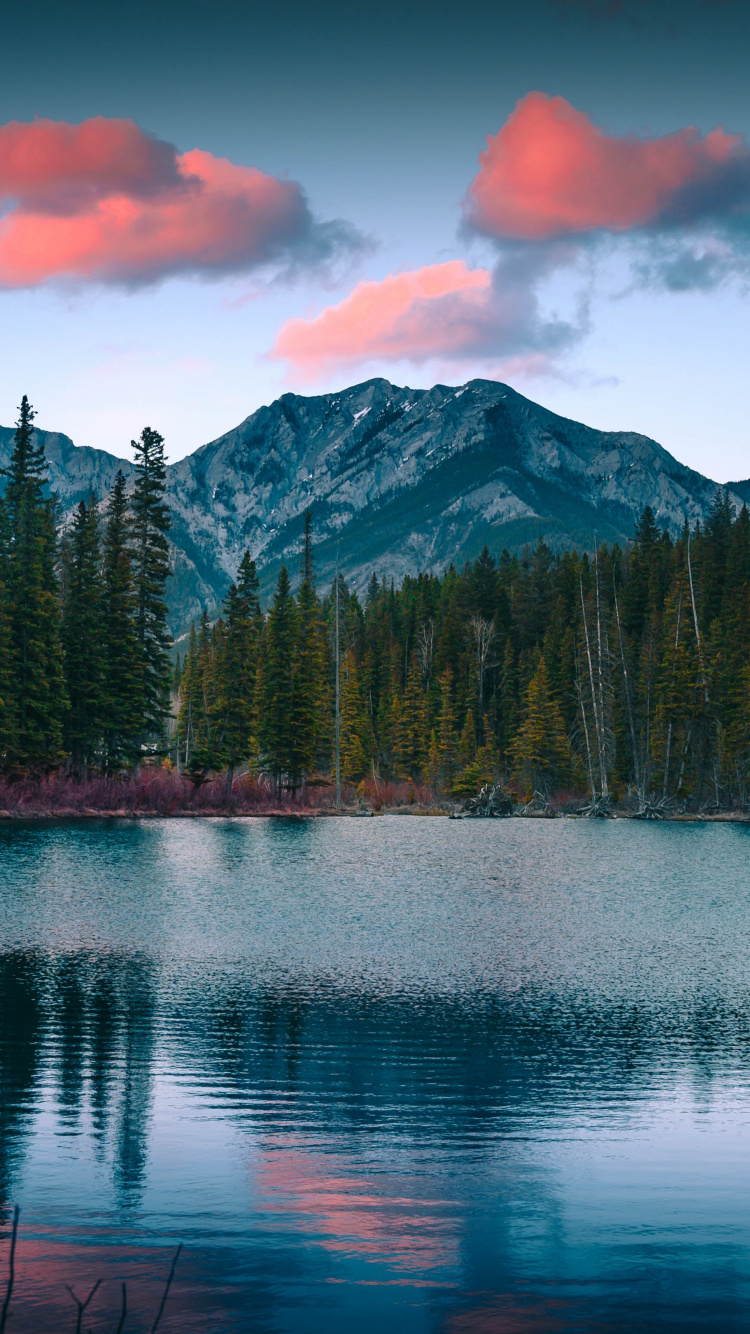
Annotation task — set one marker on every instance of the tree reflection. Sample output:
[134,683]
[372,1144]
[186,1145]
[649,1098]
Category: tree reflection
[22,1011]
[85,1025]
[82,1027]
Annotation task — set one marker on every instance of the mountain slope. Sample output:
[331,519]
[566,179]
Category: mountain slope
[399,480]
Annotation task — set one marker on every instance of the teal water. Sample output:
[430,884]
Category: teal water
[391,1074]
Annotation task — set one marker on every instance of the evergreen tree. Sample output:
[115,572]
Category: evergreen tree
[541,753]
[238,666]
[7,698]
[83,638]
[310,691]
[357,740]
[120,713]
[207,740]
[412,735]
[34,613]
[444,763]
[276,696]
[150,562]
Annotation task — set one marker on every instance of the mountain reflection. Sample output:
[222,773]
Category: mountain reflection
[89,1029]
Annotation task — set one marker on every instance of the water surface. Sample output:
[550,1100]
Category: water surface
[391,1074]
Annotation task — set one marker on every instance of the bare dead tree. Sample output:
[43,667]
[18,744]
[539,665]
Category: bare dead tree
[426,648]
[585,729]
[599,691]
[674,673]
[703,674]
[483,637]
[628,699]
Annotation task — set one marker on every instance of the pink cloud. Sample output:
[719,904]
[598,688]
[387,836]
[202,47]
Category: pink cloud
[103,201]
[444,311]
[549,172]
[395,318]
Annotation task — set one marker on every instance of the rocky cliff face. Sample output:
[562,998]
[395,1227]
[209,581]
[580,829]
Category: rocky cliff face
[399,480]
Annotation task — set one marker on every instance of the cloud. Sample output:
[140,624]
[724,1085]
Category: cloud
[690,264]
[104,202]
[549,173]
[447,312]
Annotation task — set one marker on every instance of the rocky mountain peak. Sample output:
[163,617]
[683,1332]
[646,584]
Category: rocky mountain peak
[398,480]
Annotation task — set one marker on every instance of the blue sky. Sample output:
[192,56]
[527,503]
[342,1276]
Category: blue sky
[380,115]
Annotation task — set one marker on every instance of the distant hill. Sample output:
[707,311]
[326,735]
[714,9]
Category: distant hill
[399,480]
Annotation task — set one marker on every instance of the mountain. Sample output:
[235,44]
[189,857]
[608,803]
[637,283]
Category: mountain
[399,480]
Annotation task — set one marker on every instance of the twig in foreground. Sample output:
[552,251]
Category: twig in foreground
[166,1290]
[11,1270]
[82,1305]
[124,1310]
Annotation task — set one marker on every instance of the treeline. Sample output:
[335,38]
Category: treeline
[625,672]
[85,671]
[621,673]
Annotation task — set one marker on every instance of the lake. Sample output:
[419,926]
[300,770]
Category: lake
[392,1074]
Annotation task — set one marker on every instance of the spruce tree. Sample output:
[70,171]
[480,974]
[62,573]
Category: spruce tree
[412,738]
[34,638]
[276,732]
[121,676]
[207,752]
[541,753]
[311,724]
[446,740]
[150,559]
[83,639]
[7,698]
[238,666]
[357,740]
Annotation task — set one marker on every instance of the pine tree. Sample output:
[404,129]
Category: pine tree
[83,639]
[7,699]
[207,744]
[357,740]
[276,734]
[34,639]
[310,689]
[237,667]
[541,754]
[507,704]
[120,713]
[445,760]
[150,559]
[412,736]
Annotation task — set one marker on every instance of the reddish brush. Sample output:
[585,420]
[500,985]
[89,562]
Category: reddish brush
[380,793]
[155,792]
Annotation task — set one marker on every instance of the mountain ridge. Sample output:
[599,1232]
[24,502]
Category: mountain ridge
[399,480]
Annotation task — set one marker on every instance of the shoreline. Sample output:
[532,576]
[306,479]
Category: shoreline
[323,812]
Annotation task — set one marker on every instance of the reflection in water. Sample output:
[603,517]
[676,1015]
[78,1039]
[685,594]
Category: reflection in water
[388,1072]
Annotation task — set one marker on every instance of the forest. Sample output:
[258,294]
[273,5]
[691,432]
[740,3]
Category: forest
[618,676]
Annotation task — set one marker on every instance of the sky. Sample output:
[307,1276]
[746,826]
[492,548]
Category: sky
[205,205]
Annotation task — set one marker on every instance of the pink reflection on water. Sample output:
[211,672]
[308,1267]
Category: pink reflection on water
[520,1313]
[49,1260]
[364,1216]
